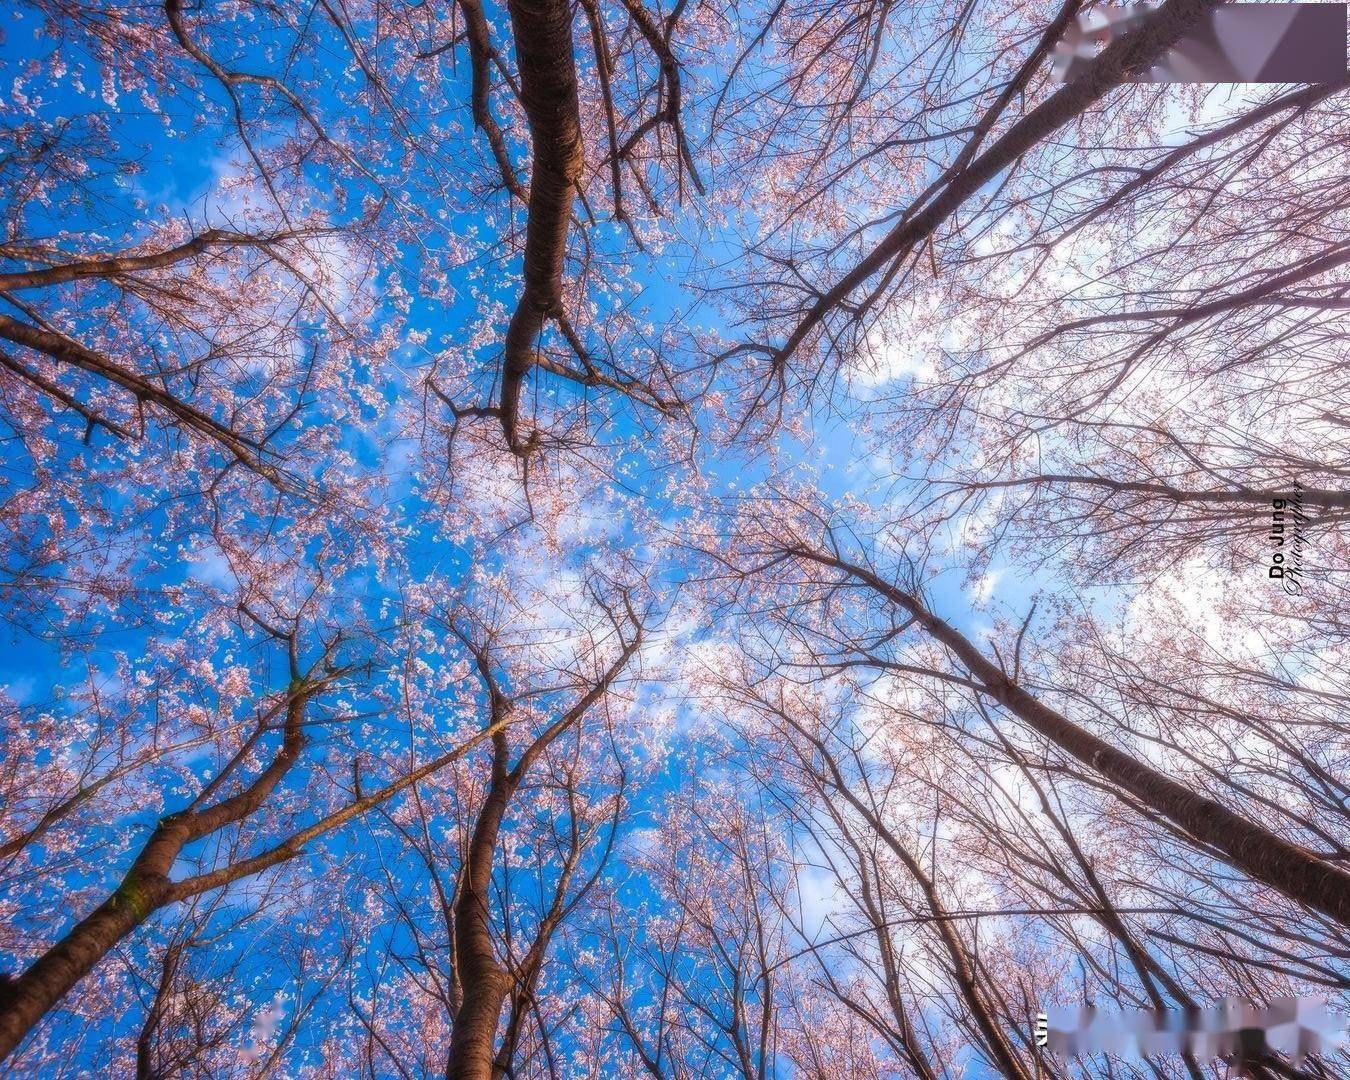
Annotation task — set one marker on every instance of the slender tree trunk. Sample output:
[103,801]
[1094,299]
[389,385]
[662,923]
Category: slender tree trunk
[480,56]
[146,1041]
[1115,64]
[1287,868]
[548,88]
[1243,499]
[483,981]
[999,1050]
[143,891]
[903,1034]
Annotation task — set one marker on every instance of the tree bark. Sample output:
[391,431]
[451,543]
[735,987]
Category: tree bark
[483,981]
[548,90]
[1243,499]
[480,59]
[1287,868]
[145,889]
[111,266]
[1133,52]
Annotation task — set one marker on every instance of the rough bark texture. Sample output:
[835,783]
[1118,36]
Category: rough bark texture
[542,30]
[483,980]
[1287,868]
[145,889]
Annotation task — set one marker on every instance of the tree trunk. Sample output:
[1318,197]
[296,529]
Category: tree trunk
[1115,64]
[143,891]
[483,981]
[1287,868]
[548,89]
[999,1051]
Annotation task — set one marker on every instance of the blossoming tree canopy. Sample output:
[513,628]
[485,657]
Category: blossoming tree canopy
[670,539]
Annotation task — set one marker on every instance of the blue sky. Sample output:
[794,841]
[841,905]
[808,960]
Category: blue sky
[180,166]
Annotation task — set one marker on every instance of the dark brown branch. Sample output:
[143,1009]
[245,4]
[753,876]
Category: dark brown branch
[1131,53]
[109,266]
[68,351]
[548,92]
[480,61]
[1287,868]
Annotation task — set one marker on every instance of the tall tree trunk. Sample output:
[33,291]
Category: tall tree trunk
[1287,868]
[146,1069]
[480,57]
[484,983]
[146,887]
[1112,67]
[143,891]
[1000,1052]
[548,89]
